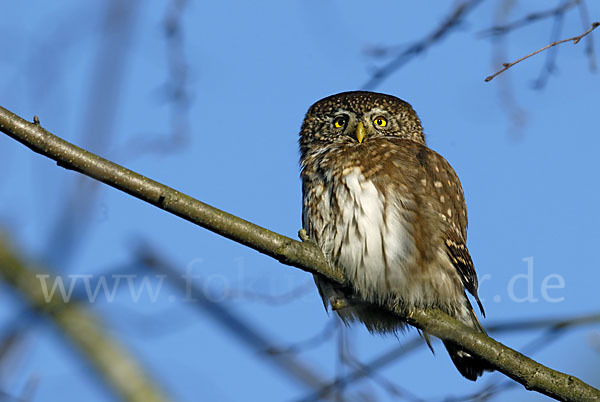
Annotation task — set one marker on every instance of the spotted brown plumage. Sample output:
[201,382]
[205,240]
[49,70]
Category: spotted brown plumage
[388,212]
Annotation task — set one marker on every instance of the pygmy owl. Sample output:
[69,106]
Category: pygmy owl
[388,212]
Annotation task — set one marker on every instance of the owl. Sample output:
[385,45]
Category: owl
[389,213]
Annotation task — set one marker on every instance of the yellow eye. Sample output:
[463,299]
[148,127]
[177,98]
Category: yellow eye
[339,122]
[380,121]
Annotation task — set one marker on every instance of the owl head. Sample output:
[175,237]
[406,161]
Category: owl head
[358,116]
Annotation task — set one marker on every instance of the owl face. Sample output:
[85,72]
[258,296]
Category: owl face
[356,117]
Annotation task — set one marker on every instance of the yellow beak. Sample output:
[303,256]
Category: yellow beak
[360,132]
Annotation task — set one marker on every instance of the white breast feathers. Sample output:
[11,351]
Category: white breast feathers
[372,242]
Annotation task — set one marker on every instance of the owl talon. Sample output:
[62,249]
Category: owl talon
[337,304]
[303,235]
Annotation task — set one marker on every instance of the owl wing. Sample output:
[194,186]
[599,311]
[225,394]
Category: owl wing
[461,259]
[449,203]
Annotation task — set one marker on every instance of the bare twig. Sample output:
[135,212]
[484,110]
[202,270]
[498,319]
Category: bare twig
[100,114]
[389,386]
[530,18]
[517,115]
[589,49]
[550,63]
[175,91]
[574,39]
[279,299]
[544,323]
[236,324]
[453,20]
[382,360]
[553,330]
[394,354]
[321,337]
[306,256]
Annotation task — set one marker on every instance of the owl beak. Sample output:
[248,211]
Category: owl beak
[360,132]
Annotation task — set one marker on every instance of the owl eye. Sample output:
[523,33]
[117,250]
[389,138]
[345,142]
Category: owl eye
[380,121]
[340,122]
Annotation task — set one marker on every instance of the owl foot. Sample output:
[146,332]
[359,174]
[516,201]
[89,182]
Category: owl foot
[303,235]
[337,304]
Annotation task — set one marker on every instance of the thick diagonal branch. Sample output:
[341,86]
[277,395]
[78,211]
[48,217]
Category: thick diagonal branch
[306,256]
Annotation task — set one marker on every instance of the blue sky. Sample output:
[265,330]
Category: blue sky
[254,68]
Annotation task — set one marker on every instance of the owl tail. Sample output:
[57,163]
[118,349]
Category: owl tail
[470,366]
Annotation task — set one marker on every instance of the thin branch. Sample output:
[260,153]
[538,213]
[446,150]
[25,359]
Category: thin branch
[517,115]
[551,55]
[453,20]
[105,82]
[272,300]
[237,326]
[390,387]
[551,334]
[544,323]
[316,340]
[175,91]
[306,256]
[394,354]
[589,50]
[561,9]
[574,39]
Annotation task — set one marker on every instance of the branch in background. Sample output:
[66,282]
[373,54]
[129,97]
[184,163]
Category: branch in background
[560,10]
[552,331]
[390,387]
[550,64]
[314,341]
[175,91]
[390,356]
[496,386]
[589,50]
[270,299]
[13,335]
[451,22]
[366,370]
[118,369]
[105,82]
[574,39]
[510,104]
[237,326]
[306,256]
[544,323]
